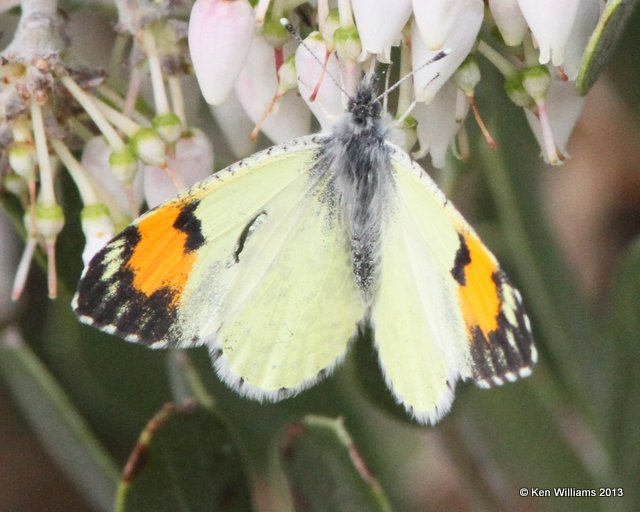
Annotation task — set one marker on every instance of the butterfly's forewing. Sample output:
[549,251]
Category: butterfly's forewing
[137,285]
[250,262]
[293,305]
[439,314]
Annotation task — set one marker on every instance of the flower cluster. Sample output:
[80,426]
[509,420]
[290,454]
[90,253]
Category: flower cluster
[56,116]
[537,46]
[257,78]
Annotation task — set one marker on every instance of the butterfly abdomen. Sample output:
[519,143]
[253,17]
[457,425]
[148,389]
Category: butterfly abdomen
[358,160]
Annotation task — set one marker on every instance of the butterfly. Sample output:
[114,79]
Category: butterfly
[276,262]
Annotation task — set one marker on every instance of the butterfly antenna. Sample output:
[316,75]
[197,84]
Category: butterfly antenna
[440,55]
[406,113]
[387,78]
[290,28]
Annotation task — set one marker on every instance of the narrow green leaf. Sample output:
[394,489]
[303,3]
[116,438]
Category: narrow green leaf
[603,42]
[325,470]
[57,423]
[623,324]
[185,460]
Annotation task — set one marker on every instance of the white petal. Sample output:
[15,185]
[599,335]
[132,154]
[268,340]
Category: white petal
[550,22]
[191,163]
[459,41]
[563,106]
[436,19]
[235,126]
[255,89]
[220,33]
[328,104]
[586,20]
[437,126]
[509,19]
[380,24]
[97,232]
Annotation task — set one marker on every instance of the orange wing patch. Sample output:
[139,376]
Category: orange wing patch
[478,294]
[161,259]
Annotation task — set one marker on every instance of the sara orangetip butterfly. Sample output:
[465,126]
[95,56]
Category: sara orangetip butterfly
[275,262]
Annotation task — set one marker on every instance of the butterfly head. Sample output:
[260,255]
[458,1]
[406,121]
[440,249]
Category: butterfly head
[364,107]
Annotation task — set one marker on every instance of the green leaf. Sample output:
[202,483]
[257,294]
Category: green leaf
[185,459]
[623,327]
[57,423]
[325,471]
[603,42]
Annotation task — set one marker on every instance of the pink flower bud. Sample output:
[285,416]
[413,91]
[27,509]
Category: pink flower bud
[220,34]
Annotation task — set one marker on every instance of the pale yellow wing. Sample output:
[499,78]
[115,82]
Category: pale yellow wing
[252,262]
[140,285]
[292,305]
[443,310]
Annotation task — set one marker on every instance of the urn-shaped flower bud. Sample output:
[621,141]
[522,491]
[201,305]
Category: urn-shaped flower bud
[220,34]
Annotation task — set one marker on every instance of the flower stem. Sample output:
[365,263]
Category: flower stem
[501,63]
[116,118]
[77,172]
[47,195]
[177,99]
[157,82]
[114,140]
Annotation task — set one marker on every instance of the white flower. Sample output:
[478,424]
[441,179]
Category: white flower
[550,22]
[191,163]
[509,20]
[328,103]
[436,19]
[95,159]
[460,40]
[235,126]
[380,24]
[437,124]
[257,85]
[563,107]
[220,34]
[97,228]
[583,26]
